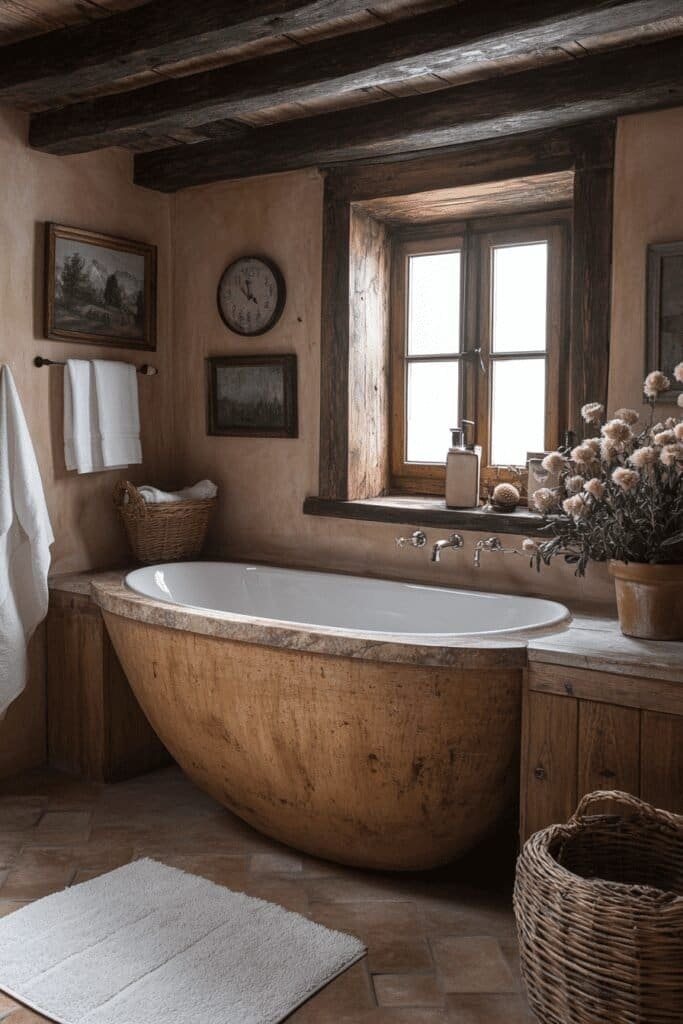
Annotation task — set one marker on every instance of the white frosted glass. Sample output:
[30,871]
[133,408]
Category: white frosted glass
[434,304]
[517,410]
[520,286]
[432,410]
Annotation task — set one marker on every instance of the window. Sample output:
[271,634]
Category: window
[478,333]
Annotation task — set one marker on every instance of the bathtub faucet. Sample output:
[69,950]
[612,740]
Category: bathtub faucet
[454,541]
[490,544]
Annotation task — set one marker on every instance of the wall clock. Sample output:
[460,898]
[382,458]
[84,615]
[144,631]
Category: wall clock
[251,295]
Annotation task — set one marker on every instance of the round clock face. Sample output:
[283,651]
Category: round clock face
[251,295]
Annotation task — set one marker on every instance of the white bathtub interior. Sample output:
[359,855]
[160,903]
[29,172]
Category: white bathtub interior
[345,603]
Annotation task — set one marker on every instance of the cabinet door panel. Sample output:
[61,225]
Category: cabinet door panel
[549,767]
[661,765]
[609,749]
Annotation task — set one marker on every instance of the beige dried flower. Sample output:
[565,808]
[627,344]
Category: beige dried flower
[670,422]
[629,416]
[643,457]
[655,383]
[627,479]
[595,488]
[593,412]
[544,499]
[576,506]
[554,462]
[575,484]
[679,401]
[678,373]
[678,430]
[665,437]
[529,546]
[672,454]
[583,454]
[617,430]
[609,450]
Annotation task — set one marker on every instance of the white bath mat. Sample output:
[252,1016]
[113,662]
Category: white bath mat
[148,944]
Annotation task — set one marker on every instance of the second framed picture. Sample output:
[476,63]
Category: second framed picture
[252,396]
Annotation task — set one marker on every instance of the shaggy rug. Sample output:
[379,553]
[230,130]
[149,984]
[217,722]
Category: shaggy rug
[148,944]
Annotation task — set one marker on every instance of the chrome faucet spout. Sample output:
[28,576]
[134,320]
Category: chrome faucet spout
[454,541]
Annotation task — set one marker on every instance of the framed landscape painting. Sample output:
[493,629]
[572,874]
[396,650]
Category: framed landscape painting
[99,289]
[252,396]
[665,312]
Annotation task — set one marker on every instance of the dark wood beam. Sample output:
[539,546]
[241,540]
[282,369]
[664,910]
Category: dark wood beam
[437,42]
[160,32]
[604,85]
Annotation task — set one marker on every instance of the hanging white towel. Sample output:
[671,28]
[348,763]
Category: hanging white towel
[116,388]
[82,440]
[87,405]
[25,539]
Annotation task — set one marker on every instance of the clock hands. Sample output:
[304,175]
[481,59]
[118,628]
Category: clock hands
[248,293]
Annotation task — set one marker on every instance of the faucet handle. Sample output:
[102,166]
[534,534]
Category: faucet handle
[456,540]
[418,539]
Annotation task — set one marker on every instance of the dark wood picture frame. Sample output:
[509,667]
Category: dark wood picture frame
[139,314]
[655,356]
[283,422]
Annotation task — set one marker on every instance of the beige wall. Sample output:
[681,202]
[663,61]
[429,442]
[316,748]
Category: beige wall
[94,192]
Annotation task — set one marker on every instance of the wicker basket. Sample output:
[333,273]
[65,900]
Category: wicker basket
[163,532]
[599,908]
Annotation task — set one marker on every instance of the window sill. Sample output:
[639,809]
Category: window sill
[425,511]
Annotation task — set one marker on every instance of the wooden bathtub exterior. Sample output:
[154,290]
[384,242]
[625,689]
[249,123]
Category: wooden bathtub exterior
[366,762]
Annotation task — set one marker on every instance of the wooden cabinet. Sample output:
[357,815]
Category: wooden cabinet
[584,730]
[95,728]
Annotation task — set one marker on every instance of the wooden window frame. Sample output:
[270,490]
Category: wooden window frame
[587,150]
[475,240]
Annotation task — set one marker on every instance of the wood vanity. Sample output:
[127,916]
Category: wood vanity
[600,711]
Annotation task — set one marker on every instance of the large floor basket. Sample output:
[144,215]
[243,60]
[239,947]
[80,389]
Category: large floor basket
[164,531]
[599,908]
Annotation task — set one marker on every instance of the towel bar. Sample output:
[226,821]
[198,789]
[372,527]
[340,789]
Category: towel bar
[146,369]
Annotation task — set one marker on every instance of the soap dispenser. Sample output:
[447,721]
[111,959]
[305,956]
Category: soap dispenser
[463,466]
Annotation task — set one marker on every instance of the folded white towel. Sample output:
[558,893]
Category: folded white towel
[25,539]
[82,441]
[116,388]
[198,492]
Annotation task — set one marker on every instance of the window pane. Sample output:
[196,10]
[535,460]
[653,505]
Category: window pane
[517,410]
[520,284]
[432,410]
[434,304]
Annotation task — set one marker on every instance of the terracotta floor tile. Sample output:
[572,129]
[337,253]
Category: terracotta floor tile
[24,1016]
[9,848]
[350,993]
[407,990]
[223,869]
[488,1009]
[391,931]
[6,1004]
[276,863]
[472,964]
[9,906]
[368,886]
[38,873]
[468,913]
[17,814]
[58,828]
[289,894]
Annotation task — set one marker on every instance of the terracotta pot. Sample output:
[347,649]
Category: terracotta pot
[649,599]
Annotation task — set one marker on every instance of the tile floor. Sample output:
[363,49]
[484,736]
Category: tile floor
[441,945]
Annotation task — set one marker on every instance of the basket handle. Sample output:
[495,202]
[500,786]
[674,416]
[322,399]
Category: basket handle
[629,800]
[123,488]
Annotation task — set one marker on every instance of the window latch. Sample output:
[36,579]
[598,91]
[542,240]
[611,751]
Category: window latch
[475,353]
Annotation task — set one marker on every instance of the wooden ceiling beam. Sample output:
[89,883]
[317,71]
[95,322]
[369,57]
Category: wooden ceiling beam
[463,36]
[600,86]
[160,32]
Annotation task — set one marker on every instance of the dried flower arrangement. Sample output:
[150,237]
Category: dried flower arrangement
[620,493]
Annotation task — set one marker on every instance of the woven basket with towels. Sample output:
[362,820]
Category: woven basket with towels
[162,531]
[599,908]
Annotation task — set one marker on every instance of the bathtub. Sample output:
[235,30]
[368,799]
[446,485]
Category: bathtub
[370,722]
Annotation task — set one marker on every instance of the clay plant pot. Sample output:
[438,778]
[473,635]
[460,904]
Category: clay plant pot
[649,599]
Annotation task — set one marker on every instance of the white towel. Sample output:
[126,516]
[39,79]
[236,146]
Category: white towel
[101,416]
[25,539]
[116,387]
[198,492]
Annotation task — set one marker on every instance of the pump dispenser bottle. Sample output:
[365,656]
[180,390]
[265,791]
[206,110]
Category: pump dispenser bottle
[462,470]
